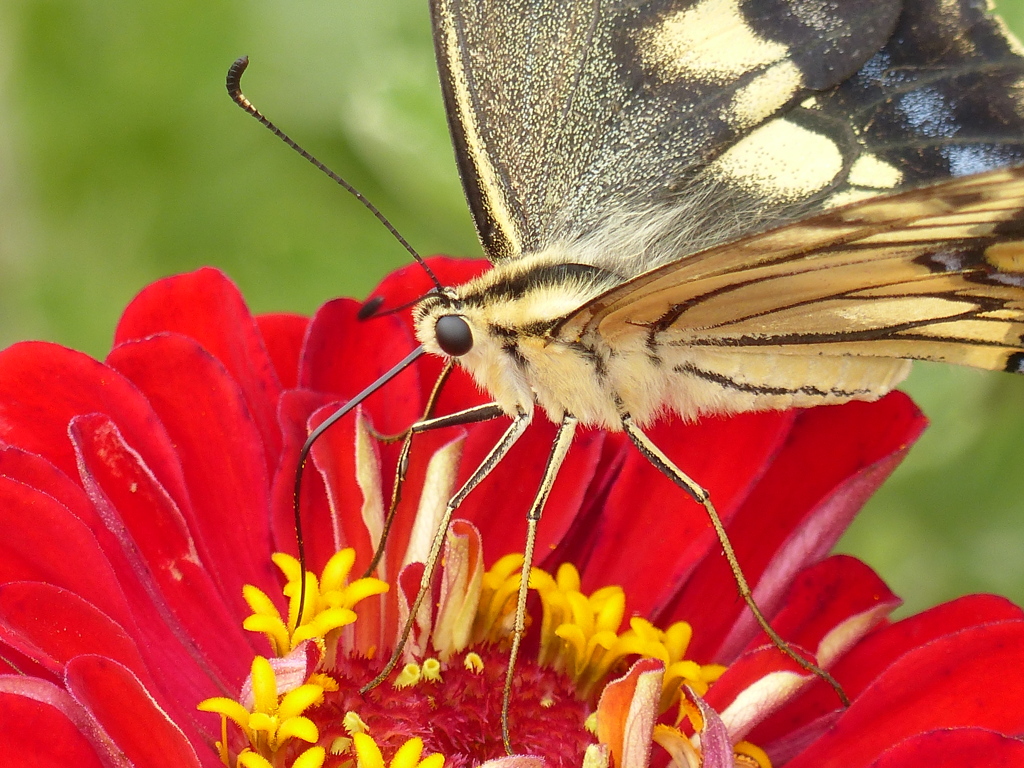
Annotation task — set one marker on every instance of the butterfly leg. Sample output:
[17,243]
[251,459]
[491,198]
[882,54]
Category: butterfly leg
[515,430]
[468,416]
[403,467]
[560,447]
[664,464]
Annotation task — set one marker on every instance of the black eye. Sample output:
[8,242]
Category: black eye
[453,335]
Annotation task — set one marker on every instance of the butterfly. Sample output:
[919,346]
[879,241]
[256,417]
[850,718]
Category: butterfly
[715,206]
[669,192]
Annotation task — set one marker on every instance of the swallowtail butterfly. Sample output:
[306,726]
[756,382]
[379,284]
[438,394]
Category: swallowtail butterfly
[714,206]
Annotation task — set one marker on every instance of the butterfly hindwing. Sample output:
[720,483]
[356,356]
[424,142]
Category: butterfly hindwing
[814,312]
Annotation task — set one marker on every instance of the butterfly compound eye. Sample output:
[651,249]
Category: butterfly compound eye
[453,335]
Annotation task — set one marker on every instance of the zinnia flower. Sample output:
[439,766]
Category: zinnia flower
[144,621]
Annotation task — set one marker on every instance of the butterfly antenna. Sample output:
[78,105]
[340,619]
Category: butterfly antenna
[234,86]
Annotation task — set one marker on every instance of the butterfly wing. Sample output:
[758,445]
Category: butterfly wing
[774,319]
[718,118]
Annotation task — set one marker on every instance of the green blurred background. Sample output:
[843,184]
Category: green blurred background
[122,160]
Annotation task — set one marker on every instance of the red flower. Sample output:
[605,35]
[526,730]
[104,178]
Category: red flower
[140,495]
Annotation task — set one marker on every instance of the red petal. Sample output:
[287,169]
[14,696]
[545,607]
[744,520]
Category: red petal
[129,596]
[221,455]
[498,506]
[793,517]
[329,522]
[42,727]
[44,542]
[342,357]
[43,386]
[872,655]
[295,409]
[66,555]
[651,533]
[36,472]
[766,672]
[971,678]
[162,552]
[13,661]
[127,712]
[334,456]
[207,307]
[954,749]
[825,596]
[62,625]
[283,335]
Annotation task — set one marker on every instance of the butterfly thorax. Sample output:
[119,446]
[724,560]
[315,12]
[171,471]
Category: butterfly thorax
[511,311]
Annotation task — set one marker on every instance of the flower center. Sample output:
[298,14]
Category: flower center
[447,701]
[454,709]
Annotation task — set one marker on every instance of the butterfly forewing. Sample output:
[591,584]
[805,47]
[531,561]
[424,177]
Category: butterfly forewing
[717,117]
[560,110]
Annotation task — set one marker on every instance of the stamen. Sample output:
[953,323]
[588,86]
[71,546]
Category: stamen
[274,721]
[328,604]
[409,676]
[353,723]
[431,670]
